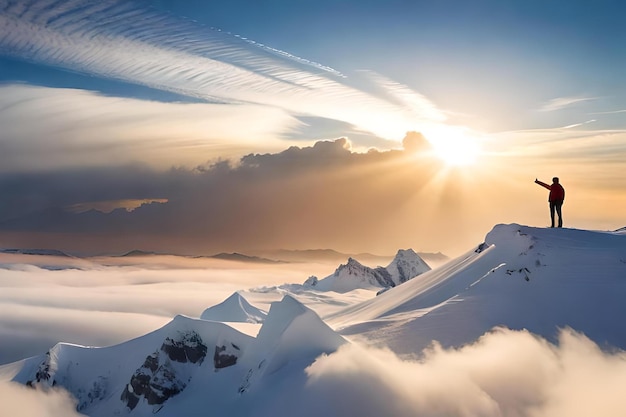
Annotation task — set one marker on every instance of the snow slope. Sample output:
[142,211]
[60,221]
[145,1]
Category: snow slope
[520,277]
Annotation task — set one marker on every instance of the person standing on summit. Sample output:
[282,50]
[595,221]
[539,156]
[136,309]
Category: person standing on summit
[556,198]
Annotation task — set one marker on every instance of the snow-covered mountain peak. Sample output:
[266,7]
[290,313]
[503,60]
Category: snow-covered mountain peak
[234,309]
[291,324]
[291,331]
[407,264]
[511,236]
[352,275]
[279,318]
[141,374]
[352,267]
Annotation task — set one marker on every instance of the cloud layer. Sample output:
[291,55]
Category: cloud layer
[505,373]
[325,195]
[17,400]
[321,196]
[103,301]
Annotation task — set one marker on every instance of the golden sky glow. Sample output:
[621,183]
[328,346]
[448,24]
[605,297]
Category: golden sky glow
[248,145]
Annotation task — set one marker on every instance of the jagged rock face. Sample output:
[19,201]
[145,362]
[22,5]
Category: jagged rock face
[158,379]
[43,374]
[226,355]
[92,394]
[384,290]
[406,265]
[311,281]
[190,349]
[378,276]
[353,275]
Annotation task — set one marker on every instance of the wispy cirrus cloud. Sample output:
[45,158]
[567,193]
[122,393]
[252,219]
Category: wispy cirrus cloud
[563,102]
[579,124]
[123,41]
[50,128]
[610,112]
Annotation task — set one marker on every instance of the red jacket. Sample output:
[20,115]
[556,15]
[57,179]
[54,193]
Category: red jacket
[557,192]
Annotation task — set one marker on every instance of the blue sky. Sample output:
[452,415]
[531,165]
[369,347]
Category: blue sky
[503,91]
[497,60]
[494,64]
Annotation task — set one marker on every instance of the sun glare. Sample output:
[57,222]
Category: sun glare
[456,150]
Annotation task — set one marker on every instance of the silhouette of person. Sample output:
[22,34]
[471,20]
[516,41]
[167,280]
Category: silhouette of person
[556,198]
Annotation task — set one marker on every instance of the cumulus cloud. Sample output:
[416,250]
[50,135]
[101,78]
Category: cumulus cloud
[505,373]
[18,400]
[321,196]
[325,195]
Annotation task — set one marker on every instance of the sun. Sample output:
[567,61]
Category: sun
[456,150]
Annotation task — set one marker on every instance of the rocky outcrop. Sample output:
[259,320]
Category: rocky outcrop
[311,281]
[189,349]
[226,355]
[159,379]
[43,374]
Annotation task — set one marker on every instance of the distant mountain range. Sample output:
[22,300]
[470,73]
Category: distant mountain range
[352,275]
[44,252]
[265,257]
[333,256]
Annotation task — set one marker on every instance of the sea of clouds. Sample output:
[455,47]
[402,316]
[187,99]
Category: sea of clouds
[505,373]
[100,302]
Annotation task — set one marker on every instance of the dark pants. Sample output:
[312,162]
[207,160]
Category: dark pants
[556,206]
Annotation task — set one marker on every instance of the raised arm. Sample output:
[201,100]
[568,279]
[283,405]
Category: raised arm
[543,184]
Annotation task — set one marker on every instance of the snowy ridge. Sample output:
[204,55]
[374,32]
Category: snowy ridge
[140,374]
[520,277]
[144,375]
[291,332]
[347,277]
[234,309]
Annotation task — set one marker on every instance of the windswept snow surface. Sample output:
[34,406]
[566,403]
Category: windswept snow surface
[520,278]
